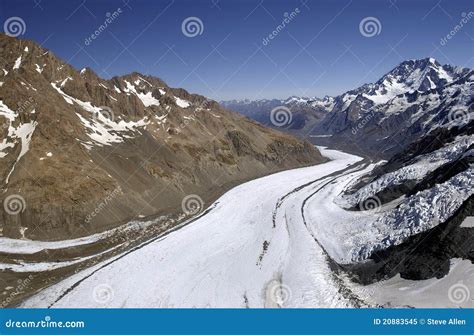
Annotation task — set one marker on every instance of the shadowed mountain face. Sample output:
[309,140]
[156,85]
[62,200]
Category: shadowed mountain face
[80,154]
[382,118]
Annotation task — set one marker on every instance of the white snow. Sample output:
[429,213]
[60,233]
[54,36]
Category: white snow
[23,246]
[361,233]
[65,81]
[101,129]
[347,100]
[146,98]
[387,92]
[468,222]
[261,238]
[429,293]
[66,97]
[22,266]
[21,133]
[6,112]
[182,103]
[17,63]
[140,79]
[219,260]
[24,132]
[39,69]
[104,131]
[416,171]
[418,213]
[442,74]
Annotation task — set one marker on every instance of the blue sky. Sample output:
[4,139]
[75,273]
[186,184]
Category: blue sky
[320,51]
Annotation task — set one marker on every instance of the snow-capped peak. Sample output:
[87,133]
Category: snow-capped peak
[420,75]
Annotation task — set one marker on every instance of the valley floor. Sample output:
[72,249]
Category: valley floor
[265,243]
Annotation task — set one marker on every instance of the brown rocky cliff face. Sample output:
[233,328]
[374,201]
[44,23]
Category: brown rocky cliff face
[139,154]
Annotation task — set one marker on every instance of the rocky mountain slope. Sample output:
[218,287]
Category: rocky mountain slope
[380,119]
[80,154]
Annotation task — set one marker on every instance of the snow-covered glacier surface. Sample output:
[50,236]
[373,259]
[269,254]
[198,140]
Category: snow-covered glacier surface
[234,256]
[266,243]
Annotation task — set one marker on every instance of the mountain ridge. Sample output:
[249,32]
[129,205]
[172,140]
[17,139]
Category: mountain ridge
[346,120]
[70,141]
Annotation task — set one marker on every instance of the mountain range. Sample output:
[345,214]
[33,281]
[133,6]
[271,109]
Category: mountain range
[80,154]
[378,119]
[130,167]
[418,122]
